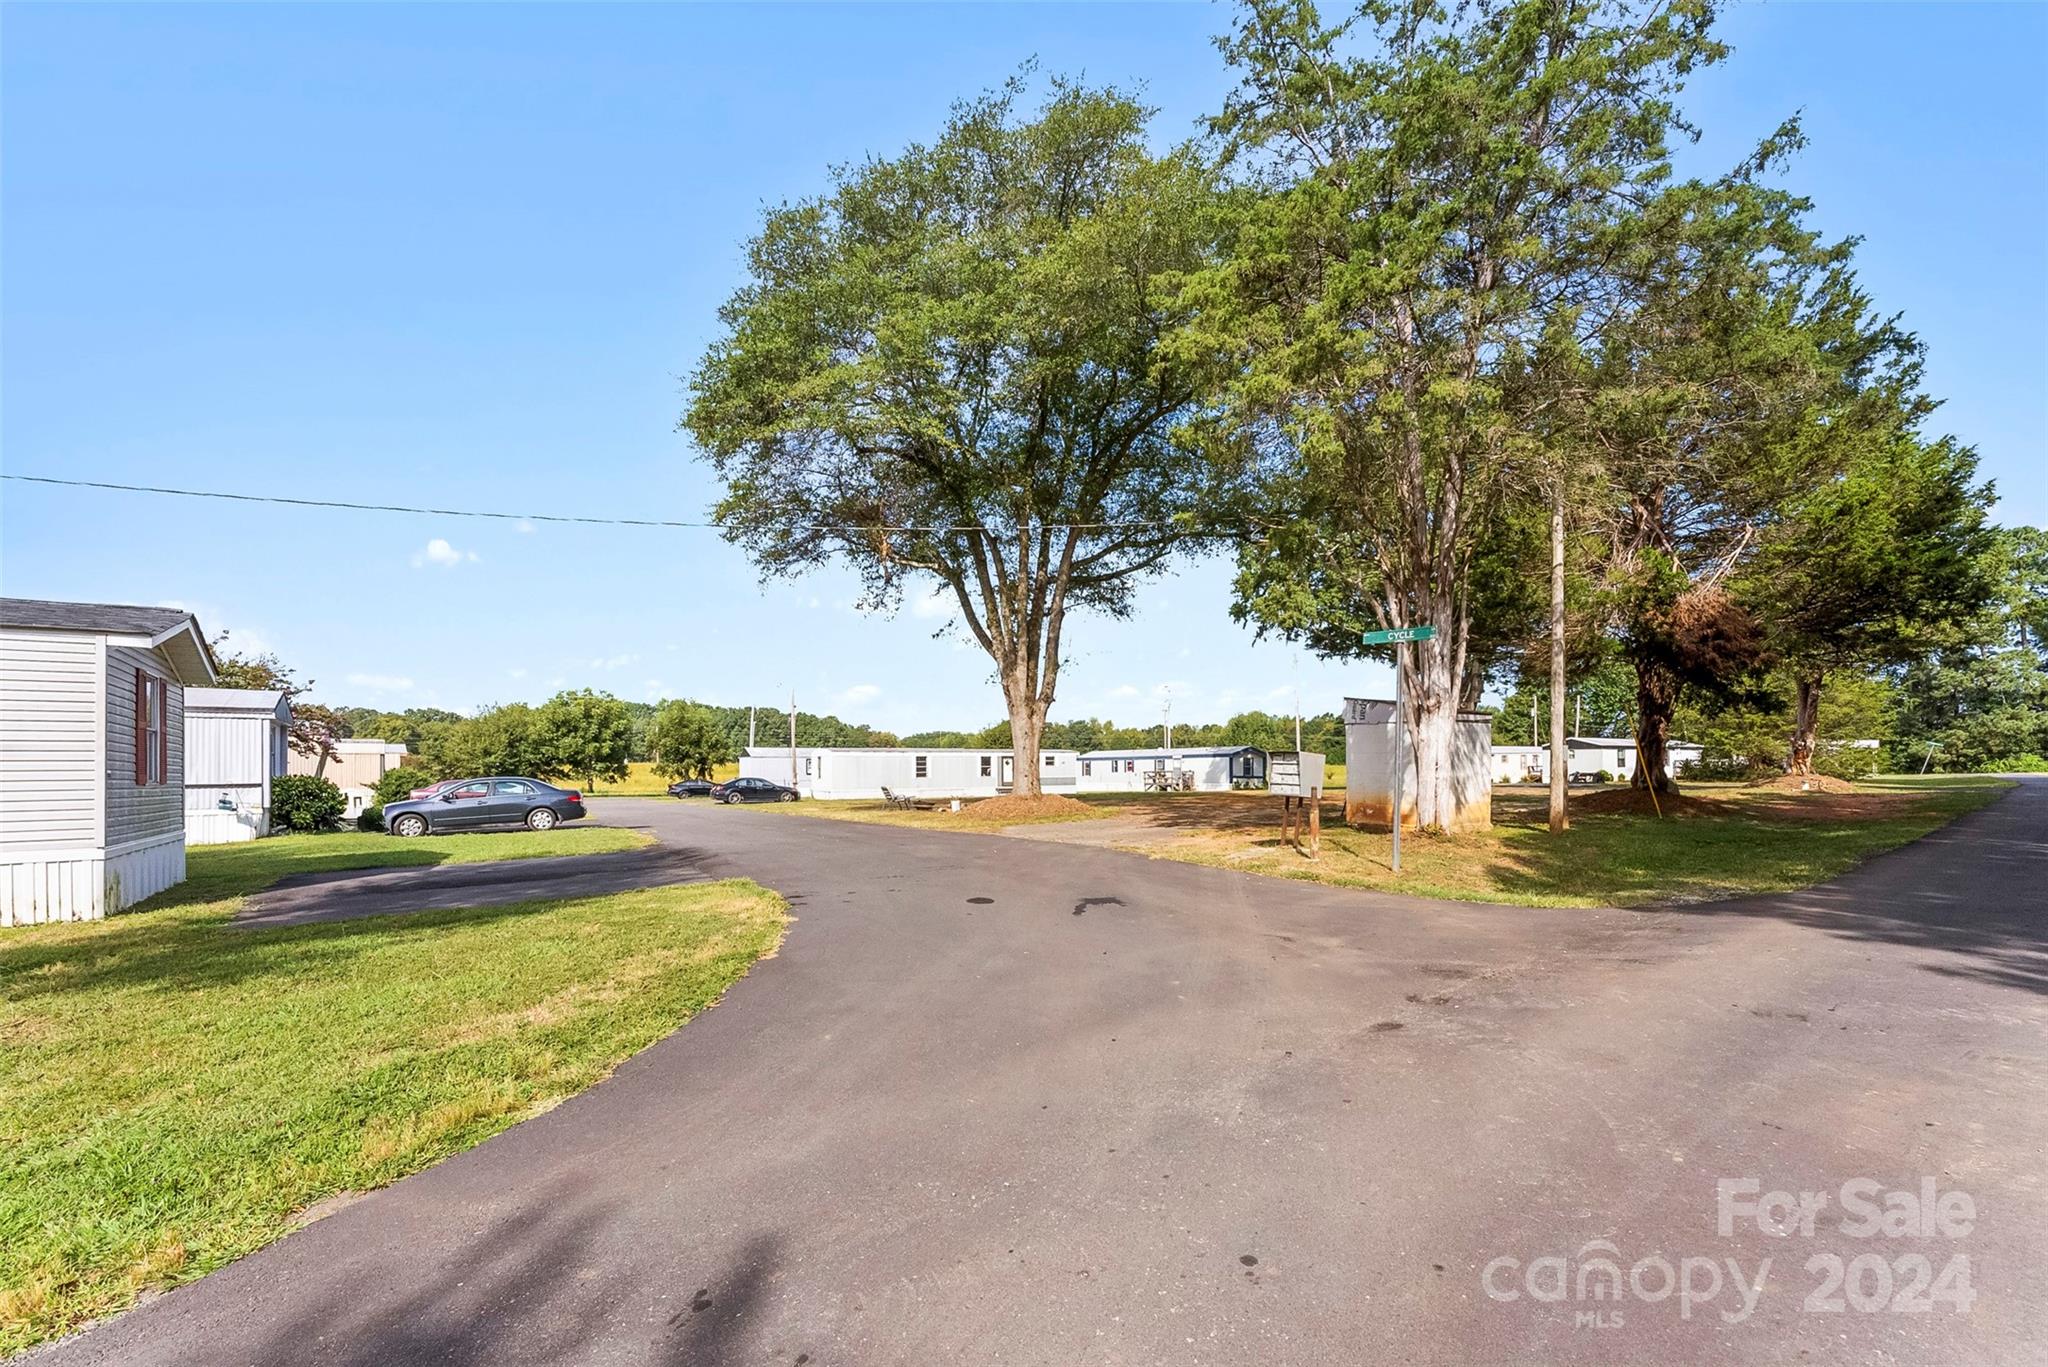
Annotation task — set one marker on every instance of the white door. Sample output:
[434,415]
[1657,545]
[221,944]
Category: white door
[1008,779]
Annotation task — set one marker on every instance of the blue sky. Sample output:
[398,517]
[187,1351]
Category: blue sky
[461,256]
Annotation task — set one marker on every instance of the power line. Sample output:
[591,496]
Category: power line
[567,517]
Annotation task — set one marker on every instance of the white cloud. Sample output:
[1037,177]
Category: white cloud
[1123,691]
[439,552]
[613,661]
[381,683]
[812,603]
[524,527]
[519,673]
[655,690]
[934,605]
[858,694]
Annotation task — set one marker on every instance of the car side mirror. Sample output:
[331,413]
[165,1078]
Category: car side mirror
[447,797]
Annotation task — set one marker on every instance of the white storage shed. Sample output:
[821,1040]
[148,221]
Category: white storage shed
[1211,769]
[236,742]
[1369,767]
[92,755]
[850,771]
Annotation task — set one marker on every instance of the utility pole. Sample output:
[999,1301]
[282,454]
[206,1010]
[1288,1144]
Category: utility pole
[1560,810]
[792,738]
[1297,702]
[750,727]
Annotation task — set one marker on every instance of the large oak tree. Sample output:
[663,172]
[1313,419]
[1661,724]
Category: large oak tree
[947,368]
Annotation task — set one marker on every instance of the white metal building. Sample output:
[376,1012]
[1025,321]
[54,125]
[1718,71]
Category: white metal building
[1215,769]
[235,743]
[846,771]
[1369,767]
[92,755]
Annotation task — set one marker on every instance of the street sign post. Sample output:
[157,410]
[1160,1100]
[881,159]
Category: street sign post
[1399,637]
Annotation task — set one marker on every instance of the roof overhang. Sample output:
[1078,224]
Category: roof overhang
[186,649]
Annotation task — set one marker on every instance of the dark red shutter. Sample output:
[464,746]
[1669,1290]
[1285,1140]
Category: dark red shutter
[163,731]
[141,727]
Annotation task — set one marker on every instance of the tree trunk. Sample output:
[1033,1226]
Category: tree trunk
[1027,728]
[1805,725]
[1560,761]
[1656,700]
[1432,721]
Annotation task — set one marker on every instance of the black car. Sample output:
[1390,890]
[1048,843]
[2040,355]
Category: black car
[691,787]
[477,802]
[752,790]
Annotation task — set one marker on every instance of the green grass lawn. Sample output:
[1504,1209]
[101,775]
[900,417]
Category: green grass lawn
[1728,840]
[174,1091]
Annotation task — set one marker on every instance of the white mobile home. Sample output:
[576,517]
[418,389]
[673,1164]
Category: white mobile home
[1369,741]
[1616,756]
[844,771]
[1521,764]
[354,767]
[1212,769]
[235,744]
[92,755]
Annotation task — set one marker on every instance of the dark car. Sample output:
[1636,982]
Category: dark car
[471,803]
[752,790]
[691,787]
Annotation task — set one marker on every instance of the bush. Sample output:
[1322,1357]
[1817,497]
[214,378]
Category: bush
[1845,761]
[370,819]
[1603,777]
[2018,764]
[1732,769]
[300,802]
[397,785]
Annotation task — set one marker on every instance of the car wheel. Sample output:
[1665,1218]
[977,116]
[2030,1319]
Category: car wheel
[409,826]
[788,797]
[731,798]
[541,819]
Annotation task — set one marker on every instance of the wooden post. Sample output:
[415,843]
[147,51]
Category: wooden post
[1315,825]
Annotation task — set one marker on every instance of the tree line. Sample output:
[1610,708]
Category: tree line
[1422,329]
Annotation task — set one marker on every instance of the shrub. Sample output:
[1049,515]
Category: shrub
[2018,764]
[397,785]
[1603,777]
[1845,761]
[370,819]
[300,802]
[1730,769]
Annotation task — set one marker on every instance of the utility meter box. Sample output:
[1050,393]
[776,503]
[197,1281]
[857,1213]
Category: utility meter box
[1294,773]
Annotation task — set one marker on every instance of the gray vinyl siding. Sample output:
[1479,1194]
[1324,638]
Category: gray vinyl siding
[49,740]
[141,812]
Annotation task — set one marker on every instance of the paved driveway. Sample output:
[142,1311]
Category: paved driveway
[998,1101]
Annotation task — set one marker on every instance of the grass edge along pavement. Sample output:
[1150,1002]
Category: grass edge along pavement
[174,1092]
[1732,841]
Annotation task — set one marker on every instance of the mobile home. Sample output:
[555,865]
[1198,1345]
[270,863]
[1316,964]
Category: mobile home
[92,754]
[848,771]
[1211,769]
[235,744]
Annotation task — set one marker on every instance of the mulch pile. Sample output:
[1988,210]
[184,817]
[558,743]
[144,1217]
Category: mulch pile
[1810,783]
[1636,802]
[1025,808]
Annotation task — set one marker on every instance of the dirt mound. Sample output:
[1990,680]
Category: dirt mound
[1025,808]
[1636,801]
[1809,783]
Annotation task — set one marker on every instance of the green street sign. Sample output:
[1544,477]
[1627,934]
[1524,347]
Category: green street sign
[1398,635]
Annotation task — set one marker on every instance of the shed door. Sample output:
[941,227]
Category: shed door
[1009,778]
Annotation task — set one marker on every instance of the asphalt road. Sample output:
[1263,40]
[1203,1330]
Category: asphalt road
[998,1101]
